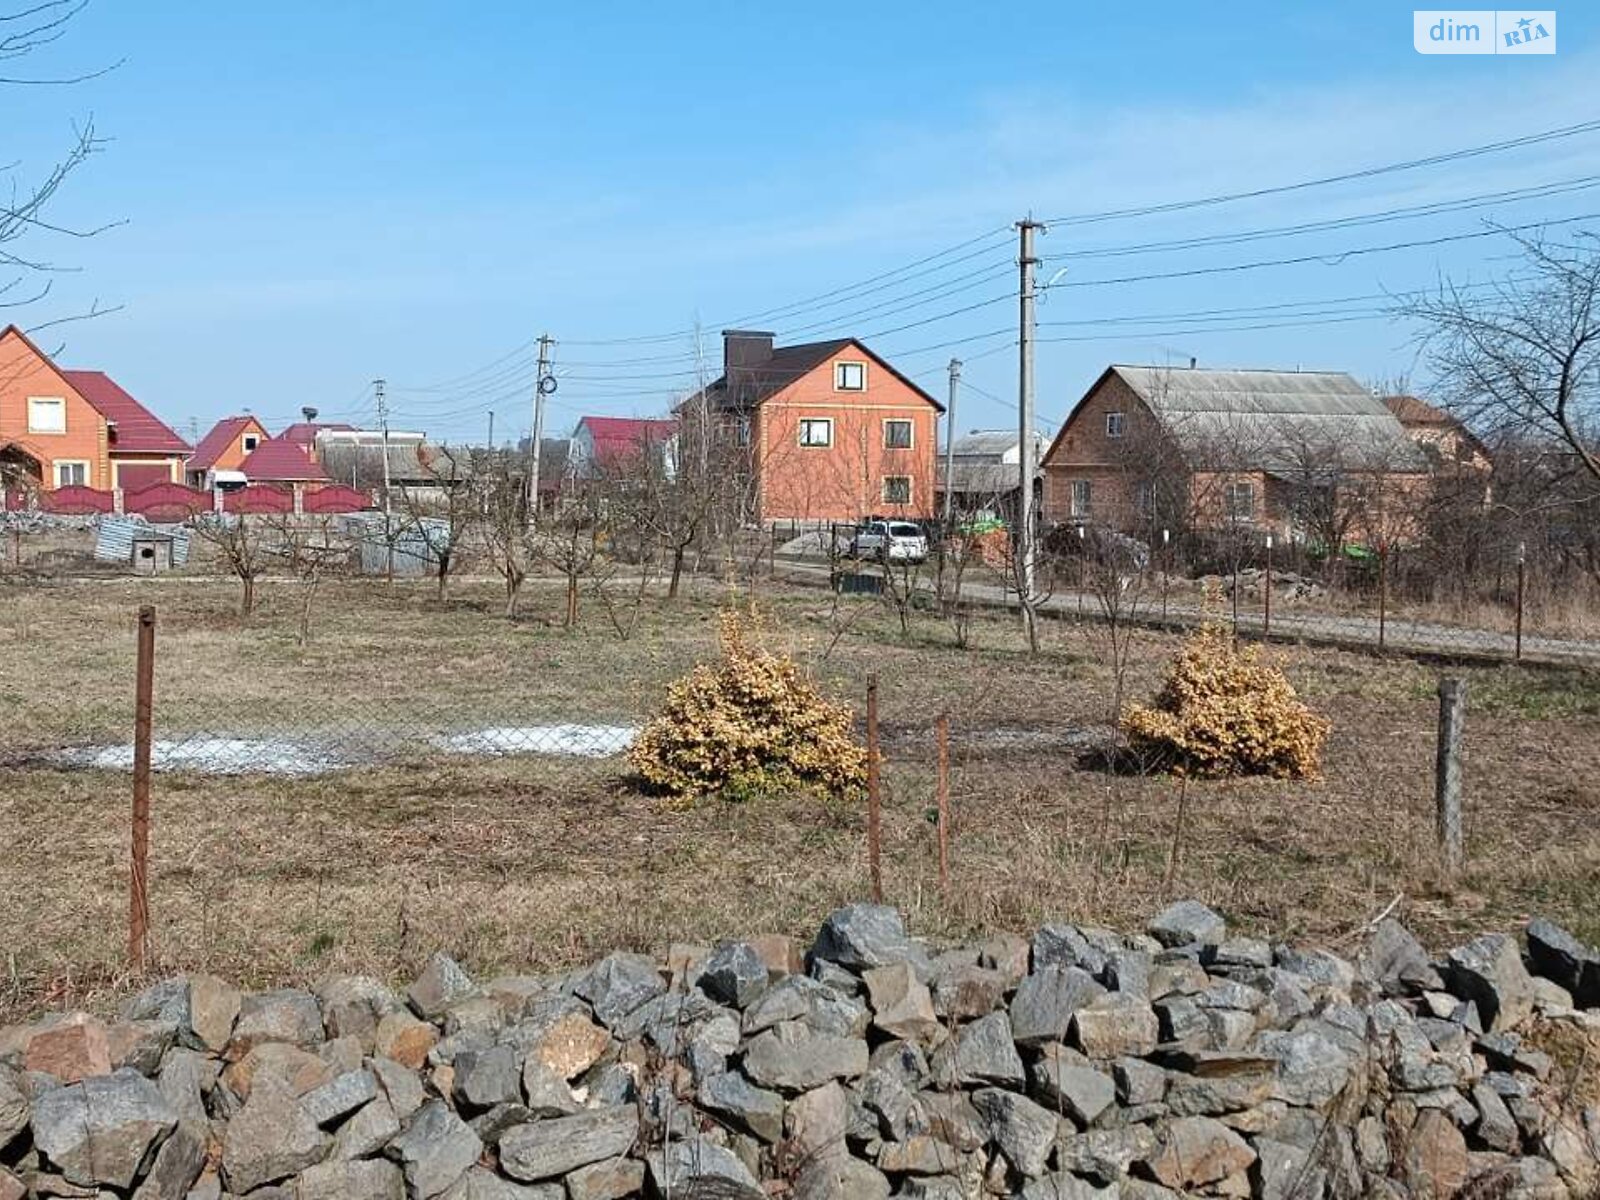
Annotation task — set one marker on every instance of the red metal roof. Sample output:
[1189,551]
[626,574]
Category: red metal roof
[219,439]
[617,438]
[138,429]
[278,461]
[304,433]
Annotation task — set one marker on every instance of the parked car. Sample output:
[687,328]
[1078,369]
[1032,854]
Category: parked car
[890,541]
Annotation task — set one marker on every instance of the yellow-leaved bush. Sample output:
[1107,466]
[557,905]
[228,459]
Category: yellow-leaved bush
[1225,711]
[747,724]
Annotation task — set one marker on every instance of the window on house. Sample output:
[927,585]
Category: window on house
[250,441]
[816,431]
[897,489]
[1144,499]
[72,474]
[850,377]
[1241,501]
[897,435]
[1082,498]
[47,414]
[1114,424]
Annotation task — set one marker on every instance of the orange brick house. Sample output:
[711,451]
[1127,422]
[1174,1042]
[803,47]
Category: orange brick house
[825,431]
[1310,454]
[229,442]
[64,428]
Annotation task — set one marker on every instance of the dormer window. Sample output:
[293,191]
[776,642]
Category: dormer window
[250,441]
[850,377]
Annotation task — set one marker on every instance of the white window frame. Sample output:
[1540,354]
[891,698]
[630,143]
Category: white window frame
[81,463]
[1116,424]
[55,403]
[1081,509]
[911,433]
[839,368]
[802,429]
[249,437]
[1232,491]
[885,491]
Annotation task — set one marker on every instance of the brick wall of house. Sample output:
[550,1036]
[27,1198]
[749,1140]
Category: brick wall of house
[24,373]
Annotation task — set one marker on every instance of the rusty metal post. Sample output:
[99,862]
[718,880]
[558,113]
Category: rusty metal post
[1383,592]
[874,794]
[941,730]
[143,711]
[1266,594]
[1522,586]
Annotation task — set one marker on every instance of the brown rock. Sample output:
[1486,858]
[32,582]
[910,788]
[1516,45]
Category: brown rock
[10,1186]
[901,1003]
[405,1039]
[1434,1159]
[213,1008]
[569,1045]
[1197,1151]
[780,953]
[72,1049]
[299,1070]
[610,1180]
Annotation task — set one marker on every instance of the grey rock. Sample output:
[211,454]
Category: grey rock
[367,1132]
[441,984]
[1066,946]
[792,1060]
[687,1167]
[734,974]
[352,1006]
[177,1164]
[1313,1067]
[1064,1080]
[1508,1052]
[1395,961]
[1326,973]
[1188,922]
[1024,1132]
[606,1180]
[1105,1154]
[484,1078]
[270,1138]
[402,1087]
[983,1051]
[1139,1082]
[1237,952]
[890,1105]
[1488,971]
[618,984]
[490,1125]
[547,1149]
[862,936]
[965,992]
[340,1096]
[1062,1186]
[99,1131]
[1558,956]
[14,1108]
[1494,1126]
[166,1001]
[435,1150]
[1044,1004]
[287,1015]
[544,1092]
[1283,1171]
[735,1098]
[1180,1021]
[800,998]
[1128,971]
[367,1179]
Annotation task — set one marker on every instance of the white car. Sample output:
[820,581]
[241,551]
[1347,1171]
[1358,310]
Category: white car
[890,541]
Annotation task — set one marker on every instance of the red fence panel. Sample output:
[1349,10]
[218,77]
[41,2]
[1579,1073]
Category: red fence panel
[166,502]
[258,498]
[77,501]
[336,499]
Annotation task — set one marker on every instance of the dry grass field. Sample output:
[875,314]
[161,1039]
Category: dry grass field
[532,861]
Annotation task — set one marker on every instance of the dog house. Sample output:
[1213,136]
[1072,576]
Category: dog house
[147,549]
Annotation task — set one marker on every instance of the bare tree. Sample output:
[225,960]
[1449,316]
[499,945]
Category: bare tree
[312,547]
[570,542]
[443,514]
[1523,358]
[243,545]
[503,524]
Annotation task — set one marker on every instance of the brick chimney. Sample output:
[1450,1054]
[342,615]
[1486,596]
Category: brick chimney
[745,348]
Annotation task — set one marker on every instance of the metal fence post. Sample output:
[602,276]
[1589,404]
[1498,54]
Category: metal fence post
[874,796]
[941,730]
[1383,592]
[143,707]
[1266,594]
[1522,587]
[1447,770]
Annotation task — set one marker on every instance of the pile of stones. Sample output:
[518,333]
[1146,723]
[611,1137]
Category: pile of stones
[1079,1064]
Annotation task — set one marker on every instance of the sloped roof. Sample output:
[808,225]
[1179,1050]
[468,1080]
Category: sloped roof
[789,363]
[409,460]
[278,461]
[138,429]
[304,433]
[618,438]
[994,442]
[1274,421]
[218,439]
[1413,410]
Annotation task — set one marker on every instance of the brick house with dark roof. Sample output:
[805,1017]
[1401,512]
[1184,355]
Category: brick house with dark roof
[819,432]
[228,443]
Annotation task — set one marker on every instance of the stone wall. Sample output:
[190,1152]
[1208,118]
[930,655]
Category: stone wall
[1079,1064]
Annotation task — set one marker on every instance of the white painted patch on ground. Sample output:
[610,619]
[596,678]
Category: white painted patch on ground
[582,741]
[216,756]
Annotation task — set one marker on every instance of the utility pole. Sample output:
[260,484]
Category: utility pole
[491,429]
[1026,262]
[950,443]
[543,384]
[383,427]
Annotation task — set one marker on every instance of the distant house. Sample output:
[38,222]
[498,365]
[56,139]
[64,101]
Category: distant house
[278,461]
[63,428]
[1311,453]
[228,443]
[985,473]
[305,433]
[615,445]
[825,431]
[1447,443]
[356,457]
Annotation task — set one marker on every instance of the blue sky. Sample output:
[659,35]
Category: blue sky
[315,195]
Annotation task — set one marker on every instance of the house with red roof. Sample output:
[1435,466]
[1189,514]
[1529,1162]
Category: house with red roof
[613,445]
[229,442]
[64,428]
[280,461]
